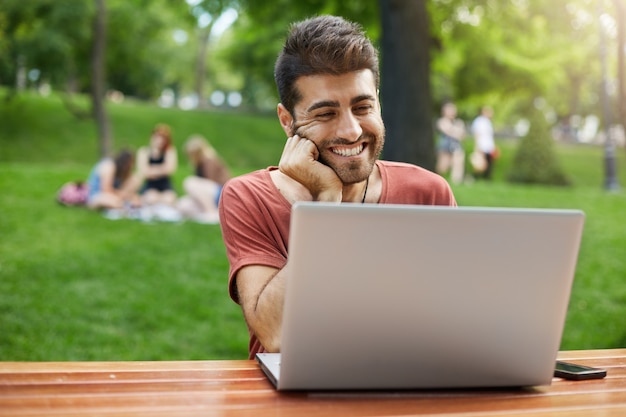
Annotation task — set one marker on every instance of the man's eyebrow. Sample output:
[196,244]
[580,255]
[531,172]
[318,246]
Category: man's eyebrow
[363,97]
[323,103]
[331,103]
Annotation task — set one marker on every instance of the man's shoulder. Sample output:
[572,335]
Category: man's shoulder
[248,184]
[401,179]
[253,177]
[402,168]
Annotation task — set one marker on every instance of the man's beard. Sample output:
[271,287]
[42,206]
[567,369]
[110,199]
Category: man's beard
[357,171]
[353,172]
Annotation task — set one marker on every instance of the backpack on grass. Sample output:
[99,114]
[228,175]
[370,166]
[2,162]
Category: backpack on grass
[73,193]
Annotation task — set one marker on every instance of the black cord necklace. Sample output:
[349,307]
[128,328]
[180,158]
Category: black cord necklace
[367,182]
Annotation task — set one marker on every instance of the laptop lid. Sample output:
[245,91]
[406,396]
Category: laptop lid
[404,296]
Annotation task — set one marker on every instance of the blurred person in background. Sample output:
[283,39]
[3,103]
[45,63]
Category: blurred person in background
[203,189]
[156,164]
[450,153]
[484,143]
[111,183]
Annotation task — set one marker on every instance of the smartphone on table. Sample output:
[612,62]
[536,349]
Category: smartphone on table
[568,370]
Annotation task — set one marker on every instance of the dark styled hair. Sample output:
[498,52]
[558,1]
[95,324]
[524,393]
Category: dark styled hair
[322,45]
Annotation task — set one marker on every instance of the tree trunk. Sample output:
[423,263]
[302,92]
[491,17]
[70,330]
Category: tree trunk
[20,78]
[620,12]
[98,79]
[405,82]
[203,49]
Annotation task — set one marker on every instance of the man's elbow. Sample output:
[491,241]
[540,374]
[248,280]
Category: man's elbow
[272,345]
[268,337]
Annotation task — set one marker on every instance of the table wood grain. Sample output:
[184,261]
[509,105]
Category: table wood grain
[239,388]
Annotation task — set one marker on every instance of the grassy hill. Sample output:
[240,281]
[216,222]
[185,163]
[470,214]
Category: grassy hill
[43,131]
[76,286]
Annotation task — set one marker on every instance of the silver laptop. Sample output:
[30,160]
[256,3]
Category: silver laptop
[421,297]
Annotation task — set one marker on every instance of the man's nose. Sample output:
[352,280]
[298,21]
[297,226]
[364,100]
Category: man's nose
[349,127]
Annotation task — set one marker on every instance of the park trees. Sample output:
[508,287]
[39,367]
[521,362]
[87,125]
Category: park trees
[43,39]
[506,53]
[84,47]
[207,13]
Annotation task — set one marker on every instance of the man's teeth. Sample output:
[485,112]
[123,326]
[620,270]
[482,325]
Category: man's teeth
[348,151]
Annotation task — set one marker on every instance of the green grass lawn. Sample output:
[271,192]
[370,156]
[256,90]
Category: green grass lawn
[76,286]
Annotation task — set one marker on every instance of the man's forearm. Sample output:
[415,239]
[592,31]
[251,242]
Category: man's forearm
[263,306]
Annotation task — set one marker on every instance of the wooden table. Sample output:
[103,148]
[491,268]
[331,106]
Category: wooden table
[239,388]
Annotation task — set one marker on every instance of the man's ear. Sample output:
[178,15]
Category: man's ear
[285,118]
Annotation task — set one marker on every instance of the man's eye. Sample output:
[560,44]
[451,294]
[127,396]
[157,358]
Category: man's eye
[363,109]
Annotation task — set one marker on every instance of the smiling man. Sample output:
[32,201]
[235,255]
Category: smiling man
[327,78]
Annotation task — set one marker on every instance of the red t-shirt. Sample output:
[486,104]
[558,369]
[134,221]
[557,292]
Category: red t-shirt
[255,216]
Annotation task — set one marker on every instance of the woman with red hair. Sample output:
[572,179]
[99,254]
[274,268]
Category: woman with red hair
[156,163]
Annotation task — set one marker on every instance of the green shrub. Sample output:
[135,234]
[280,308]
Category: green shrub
[535,160]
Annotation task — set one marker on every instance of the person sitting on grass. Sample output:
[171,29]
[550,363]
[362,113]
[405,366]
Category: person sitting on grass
[156,164]
[205,186]
[112,184]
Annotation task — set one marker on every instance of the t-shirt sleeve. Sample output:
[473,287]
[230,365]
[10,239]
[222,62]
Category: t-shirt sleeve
[253,229]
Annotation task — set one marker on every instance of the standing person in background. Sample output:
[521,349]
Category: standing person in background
[112,184]
[482,129]
[205,186]
[156,164]
[450,153]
